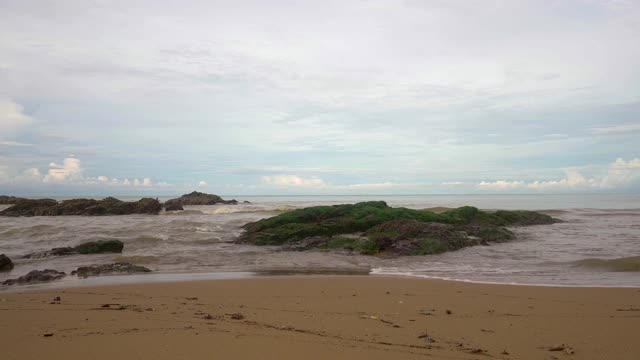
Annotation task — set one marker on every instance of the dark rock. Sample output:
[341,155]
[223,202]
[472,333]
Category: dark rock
[236,316]
[30,207]
[91,247]
[36,276]
[49,253]
[173,206]
[6,200]
[5,263]
[246,202]
[107,206]
[198,198]
[109,269]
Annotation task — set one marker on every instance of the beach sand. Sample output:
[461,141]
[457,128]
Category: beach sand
[320,317]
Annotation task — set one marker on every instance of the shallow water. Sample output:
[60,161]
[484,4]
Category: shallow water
[199,240]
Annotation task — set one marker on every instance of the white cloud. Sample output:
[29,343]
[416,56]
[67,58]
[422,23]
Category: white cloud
[11,116]
[455,183]
[619,174]
[622,173]
[293,181]
[501,185]
[202,183]
[68,171]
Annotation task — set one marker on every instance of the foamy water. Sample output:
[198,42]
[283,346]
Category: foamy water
[597,229]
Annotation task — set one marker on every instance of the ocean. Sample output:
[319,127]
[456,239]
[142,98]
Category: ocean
[597,244]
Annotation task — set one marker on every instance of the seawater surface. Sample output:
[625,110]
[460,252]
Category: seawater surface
[597,244]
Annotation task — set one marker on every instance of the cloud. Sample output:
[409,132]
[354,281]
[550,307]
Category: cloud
[622,128]
[68,171]
[202,183]
[29,176]
[619,175]
[13,143]
[146,182]
[501,185]
[379,95]
[454,184]
[293,181]
[622,173]
[12,116]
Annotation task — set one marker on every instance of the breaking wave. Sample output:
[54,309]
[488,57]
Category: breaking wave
[631,263]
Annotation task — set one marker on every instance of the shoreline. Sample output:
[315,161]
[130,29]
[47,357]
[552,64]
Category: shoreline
[180,277]
[320,316]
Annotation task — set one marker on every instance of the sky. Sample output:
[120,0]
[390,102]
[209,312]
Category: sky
[319,97]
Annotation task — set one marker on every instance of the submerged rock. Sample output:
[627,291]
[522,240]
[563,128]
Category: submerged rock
[99,247]
[36,276]
[107,206]
[109,269]
[198,198]
[174,206]
[374,228]
[5,263]
[91,247]
[6,200]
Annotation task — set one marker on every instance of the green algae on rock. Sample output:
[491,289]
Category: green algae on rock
[373,228]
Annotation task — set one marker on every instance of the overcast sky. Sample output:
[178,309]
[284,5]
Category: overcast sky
[327,97]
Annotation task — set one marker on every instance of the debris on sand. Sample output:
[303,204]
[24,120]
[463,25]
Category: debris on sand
[564,347]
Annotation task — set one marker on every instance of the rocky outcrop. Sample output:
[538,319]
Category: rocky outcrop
[29,207]
[6,200]
[91,207]
[5,263]
[109,269]
[374,228]
[198,198]
[36,276]
[91,247]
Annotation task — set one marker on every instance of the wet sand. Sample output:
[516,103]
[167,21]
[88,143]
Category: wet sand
[320,317]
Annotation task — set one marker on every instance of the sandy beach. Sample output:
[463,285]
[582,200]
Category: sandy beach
[320,317]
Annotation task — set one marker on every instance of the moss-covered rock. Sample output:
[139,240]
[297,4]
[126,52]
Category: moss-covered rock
[384,229]
[107,206]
